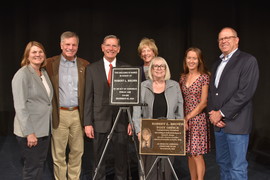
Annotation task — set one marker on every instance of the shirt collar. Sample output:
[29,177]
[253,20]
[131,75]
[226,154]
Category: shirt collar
[107,63]
[64,60]
[226,58]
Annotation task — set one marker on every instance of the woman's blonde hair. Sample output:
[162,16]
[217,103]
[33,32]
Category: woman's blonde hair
[146,42]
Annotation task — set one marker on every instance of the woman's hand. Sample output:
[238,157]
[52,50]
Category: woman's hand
[139,136]
[32,140]
[186,123]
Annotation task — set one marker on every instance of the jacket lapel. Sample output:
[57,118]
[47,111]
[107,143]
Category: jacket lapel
[102,71]
[38,80]
[55,71]
[49,84]
[81,73]
[229,65]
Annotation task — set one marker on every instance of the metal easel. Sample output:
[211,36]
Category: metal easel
[155,162]
[124,109]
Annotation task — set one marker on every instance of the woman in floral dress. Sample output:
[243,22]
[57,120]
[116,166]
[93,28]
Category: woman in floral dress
[194,85]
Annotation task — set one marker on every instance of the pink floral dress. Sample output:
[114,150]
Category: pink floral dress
[198,134]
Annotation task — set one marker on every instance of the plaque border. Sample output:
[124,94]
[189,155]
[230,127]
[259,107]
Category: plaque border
[138,87]
[165,154]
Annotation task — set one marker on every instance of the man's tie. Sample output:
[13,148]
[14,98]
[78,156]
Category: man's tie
[110,75]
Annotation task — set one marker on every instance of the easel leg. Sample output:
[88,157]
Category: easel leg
[107,143]
[174,173]
[142,173]
[155,162]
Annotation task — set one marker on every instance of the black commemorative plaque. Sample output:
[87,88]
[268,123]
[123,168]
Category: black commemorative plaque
[163,137]
[125,87]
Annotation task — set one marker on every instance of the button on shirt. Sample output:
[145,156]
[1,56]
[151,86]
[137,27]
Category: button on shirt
[68,83]
[225,60]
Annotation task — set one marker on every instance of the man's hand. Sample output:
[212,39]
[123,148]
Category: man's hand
[215,117]
[221,124]
[89,131]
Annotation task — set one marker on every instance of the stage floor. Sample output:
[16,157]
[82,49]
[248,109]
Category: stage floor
[10,164]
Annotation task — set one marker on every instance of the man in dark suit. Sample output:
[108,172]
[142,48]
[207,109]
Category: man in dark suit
[234,81]
[99,116]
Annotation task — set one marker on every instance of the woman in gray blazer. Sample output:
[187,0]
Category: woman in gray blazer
[32,95]
[164,99]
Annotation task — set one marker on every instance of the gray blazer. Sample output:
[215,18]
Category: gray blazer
[173,97]
[33,108]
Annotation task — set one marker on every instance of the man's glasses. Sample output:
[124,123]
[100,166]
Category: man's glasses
[226,38]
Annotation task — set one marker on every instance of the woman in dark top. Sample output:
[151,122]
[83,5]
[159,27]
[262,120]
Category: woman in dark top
[164,99]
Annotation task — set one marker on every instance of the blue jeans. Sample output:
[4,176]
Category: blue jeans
[231,151]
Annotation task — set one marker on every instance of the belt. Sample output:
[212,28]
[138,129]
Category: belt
[69,108]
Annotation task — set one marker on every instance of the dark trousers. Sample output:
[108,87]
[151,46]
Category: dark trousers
[34,157]
[119,145]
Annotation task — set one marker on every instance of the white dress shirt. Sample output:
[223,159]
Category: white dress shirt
[225,60]
[107,65]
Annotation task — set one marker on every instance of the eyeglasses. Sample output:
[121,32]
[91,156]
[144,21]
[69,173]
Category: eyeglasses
[226,38]
[162,66]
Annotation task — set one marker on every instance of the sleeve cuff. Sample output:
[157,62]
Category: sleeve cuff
[221,113]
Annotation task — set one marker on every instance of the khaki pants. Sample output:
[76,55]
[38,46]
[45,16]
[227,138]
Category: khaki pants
[69,131]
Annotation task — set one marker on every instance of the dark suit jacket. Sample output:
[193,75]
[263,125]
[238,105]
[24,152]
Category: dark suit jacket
[143,78]
[53,71]
[233,96]
[97,111]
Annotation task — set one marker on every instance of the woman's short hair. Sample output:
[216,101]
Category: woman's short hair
[167,69]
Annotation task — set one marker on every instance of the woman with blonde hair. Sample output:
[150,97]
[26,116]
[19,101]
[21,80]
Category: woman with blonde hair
[164,99]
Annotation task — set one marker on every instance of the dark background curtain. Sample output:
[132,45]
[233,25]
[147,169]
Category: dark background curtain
[175,26]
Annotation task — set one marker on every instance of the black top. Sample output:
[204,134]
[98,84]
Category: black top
[159,106]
